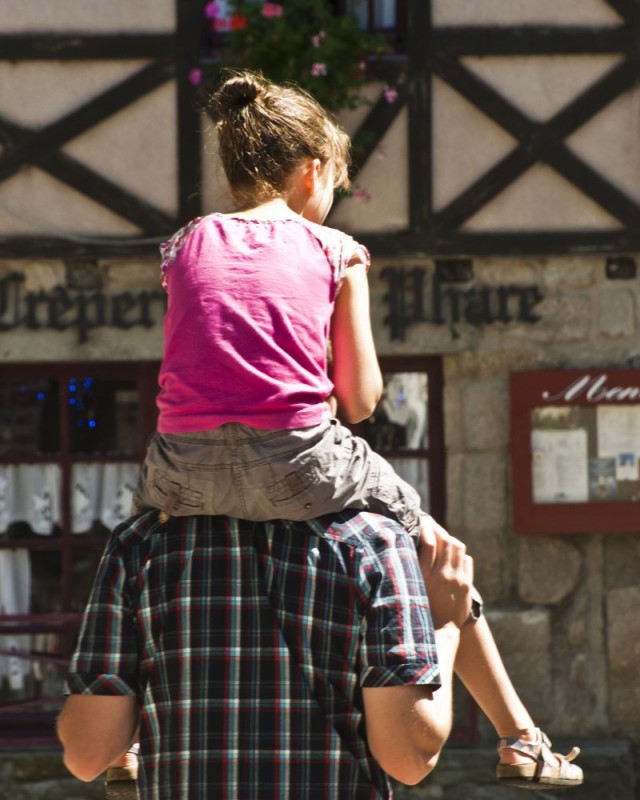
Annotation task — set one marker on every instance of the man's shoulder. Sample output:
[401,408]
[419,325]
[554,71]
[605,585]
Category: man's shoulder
[363,531]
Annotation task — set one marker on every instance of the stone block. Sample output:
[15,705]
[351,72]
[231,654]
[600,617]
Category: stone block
[616,313]
[548,569]
[488,552]
[42,276]
[570,273]
[485,414]
[455,505]
[564,318]
[621,561]
[468,773]
[524,640]
[453,427]
[133,275]
[484,491]
[623,650]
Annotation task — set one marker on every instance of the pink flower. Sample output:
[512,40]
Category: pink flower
[363,195]
[195,76]
[390,94]
[317,39]
[211,10]
[318,69]
[272,10]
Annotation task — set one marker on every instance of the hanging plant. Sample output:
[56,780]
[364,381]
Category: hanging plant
[298,40]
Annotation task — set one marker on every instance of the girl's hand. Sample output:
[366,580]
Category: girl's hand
[432,534]
[448,574]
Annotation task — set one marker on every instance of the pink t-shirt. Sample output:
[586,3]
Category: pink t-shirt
[248,320]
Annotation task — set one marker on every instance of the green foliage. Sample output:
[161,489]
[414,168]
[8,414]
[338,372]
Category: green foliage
[305,42]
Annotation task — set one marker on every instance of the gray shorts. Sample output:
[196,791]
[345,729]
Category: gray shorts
[257,474]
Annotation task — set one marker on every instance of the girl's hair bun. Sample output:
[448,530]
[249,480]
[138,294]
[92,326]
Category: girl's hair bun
[235,93]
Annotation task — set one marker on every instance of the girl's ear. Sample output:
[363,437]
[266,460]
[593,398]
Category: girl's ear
[311,173]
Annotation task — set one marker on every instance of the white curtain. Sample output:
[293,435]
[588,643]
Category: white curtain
[30,493]
[15,593]
[99,492]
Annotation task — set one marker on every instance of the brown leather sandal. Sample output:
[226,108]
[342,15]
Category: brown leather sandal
[546,770]
[120,783]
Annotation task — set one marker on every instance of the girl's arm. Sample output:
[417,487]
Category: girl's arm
[355,370]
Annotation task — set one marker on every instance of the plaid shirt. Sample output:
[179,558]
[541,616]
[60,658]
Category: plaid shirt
[248,645]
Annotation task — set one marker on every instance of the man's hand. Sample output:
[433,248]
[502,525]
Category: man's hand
[448,574]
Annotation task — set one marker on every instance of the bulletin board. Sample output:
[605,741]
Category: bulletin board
[575,451]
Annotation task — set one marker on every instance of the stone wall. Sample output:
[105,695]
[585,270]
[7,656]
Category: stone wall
[563,608]
[461,774]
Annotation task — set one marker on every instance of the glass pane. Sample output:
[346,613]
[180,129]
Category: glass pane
[360,9]
[103,415]
[34,656]
[385,11]
[582,454]
[29,417]
[415,471]
[400,419]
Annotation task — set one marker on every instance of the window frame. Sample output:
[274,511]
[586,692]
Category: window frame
[18,722]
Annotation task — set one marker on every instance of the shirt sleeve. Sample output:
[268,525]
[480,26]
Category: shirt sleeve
[105,661]
[397,639]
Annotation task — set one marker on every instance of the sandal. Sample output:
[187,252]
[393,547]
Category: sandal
[546,770]
[120,783]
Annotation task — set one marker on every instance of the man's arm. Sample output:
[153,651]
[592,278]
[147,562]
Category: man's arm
[407,726]
[95,730]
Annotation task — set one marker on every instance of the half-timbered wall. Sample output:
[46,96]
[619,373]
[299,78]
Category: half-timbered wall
[497,184]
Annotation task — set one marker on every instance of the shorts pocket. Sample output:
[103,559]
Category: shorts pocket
[174,496]
[294,484]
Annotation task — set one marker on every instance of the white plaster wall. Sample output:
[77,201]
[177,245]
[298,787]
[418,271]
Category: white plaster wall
[214,186]
[541,86]
[380,198]
[135,148]
[467,143]
[33,203]
[87,16]
[523,12]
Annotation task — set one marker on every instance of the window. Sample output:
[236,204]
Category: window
[407,428]
[71,440]
[383,16]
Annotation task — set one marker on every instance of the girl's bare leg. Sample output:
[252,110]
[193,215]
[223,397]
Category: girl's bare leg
[480,667]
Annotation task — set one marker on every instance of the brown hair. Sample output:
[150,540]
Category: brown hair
[266,130]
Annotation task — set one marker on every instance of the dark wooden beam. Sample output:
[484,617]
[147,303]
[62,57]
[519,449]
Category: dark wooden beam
[188,15]
[419,94]
[537,142]
[629,10]
[36,146]
[81,247]
[427,245]
[533,40]
[151,220]
[48,47]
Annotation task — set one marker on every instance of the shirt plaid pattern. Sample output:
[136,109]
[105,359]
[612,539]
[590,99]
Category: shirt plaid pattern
[248,645]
